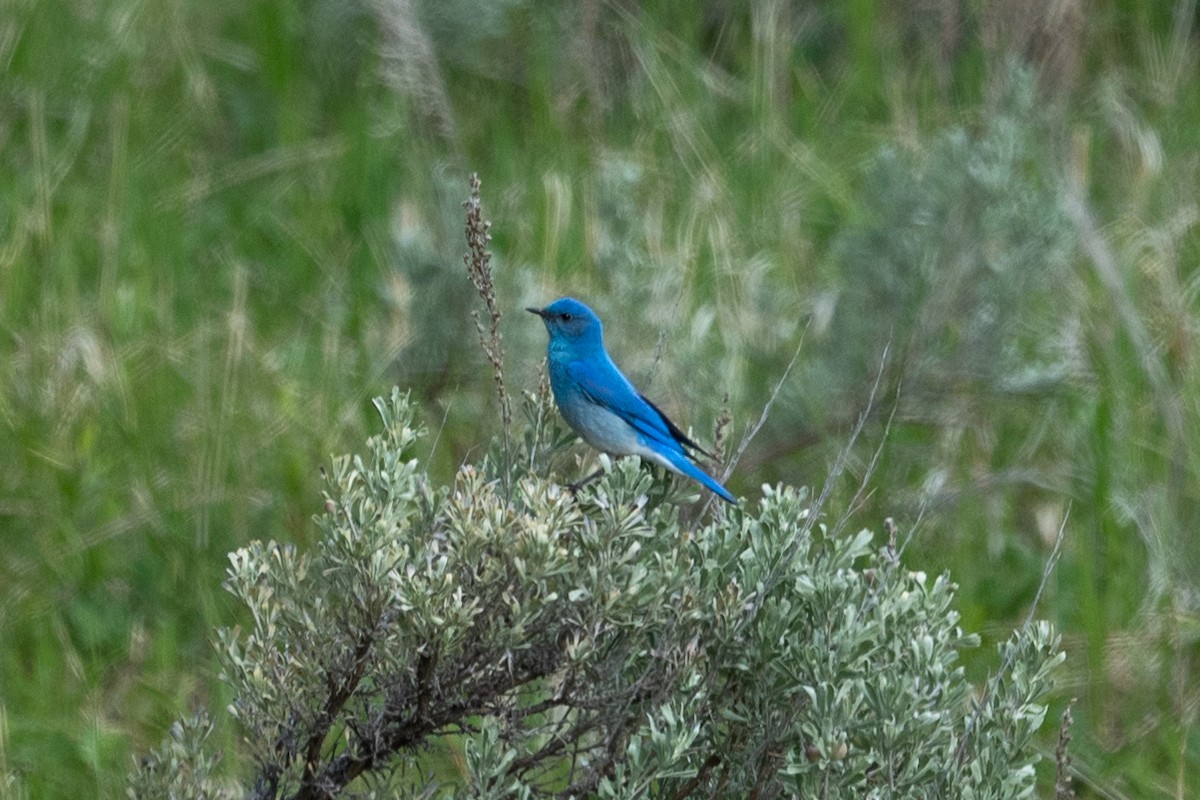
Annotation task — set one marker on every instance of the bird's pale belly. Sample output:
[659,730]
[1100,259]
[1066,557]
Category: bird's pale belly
[608,433]
[602,429]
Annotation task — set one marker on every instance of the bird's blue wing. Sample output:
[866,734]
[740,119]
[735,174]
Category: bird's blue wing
[604,385]
[675,432]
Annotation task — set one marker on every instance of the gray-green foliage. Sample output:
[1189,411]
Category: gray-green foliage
[963,257]
[182,768]
[597,645]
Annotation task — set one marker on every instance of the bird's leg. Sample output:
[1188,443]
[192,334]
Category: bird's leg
[575,487]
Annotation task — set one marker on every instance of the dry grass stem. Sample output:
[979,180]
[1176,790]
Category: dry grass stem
[1063,790]
[479,266]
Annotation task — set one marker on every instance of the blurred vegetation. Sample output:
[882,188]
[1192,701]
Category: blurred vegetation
[226,225]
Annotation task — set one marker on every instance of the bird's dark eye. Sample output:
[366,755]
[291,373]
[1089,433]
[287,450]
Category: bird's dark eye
[566,317]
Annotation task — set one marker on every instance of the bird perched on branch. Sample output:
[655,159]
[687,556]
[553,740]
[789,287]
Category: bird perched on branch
[602,406]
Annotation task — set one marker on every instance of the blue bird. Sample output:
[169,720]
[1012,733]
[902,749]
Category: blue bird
[601,405]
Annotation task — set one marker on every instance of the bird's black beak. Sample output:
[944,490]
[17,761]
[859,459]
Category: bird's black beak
[540,312]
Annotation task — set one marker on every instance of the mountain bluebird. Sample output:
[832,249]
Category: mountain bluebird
[601,405]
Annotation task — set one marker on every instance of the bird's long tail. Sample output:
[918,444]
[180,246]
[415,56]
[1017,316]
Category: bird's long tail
[684,466]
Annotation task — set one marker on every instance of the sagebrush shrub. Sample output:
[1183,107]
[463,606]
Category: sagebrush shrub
[456,642]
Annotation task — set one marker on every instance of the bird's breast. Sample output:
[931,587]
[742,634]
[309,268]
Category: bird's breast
[597,425]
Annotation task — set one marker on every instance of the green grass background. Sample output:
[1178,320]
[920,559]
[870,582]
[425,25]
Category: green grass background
[226,225]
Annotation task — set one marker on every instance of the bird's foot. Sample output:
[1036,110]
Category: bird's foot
[575,487]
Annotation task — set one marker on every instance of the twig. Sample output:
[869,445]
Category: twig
[1006,663]
[479,266]
[721,428]
[762,418]
[839,465]
[1063,790]
[700,777]
[438,435]
[754,429]
[814,512]
[1051,563]
[873,464]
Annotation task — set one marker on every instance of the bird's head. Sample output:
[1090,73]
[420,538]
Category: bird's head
[571,321]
